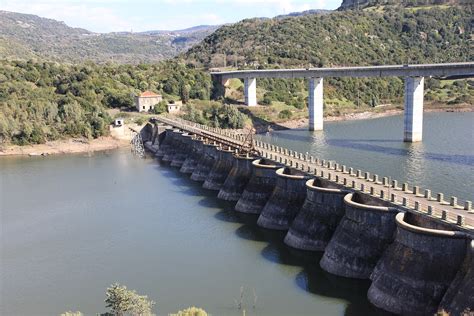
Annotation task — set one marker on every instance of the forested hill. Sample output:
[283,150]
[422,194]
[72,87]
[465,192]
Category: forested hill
[25,36]
[362,4]
[392,36]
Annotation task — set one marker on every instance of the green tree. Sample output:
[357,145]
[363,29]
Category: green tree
[121,301]
[69,313]
[161,107]
[184,93]
[191,311]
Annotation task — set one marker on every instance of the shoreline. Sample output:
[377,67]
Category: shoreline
[66,146]
[82,145]
[299,123]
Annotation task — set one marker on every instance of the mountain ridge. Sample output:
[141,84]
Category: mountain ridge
[362,4]
[30,36]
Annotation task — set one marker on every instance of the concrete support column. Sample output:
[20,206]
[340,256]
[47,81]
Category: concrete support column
[250,90]
[414,87]
[315,105]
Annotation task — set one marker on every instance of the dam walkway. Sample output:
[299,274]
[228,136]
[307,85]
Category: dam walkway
[405,197]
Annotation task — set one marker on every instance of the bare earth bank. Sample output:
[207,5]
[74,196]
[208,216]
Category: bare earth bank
[82,145]
[68,146]
[291,124]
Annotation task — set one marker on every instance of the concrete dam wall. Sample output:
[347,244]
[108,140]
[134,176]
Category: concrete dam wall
[417,264]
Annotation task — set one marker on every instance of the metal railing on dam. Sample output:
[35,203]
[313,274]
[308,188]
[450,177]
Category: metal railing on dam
[417,250]
[403,196]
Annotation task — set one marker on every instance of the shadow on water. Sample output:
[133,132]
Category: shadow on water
[315,280]
[311,279]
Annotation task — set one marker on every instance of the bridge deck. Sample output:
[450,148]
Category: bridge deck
[448,212]
[420,70]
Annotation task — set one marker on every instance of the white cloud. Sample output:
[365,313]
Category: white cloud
[139,15]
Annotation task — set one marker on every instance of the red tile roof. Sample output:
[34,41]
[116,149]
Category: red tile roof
[149,94]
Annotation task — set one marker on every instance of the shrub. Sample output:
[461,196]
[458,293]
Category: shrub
[285,114]
[161,107]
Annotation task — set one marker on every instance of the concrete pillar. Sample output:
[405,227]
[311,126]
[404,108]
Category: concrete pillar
[315,104]
[413,131]
[250,90]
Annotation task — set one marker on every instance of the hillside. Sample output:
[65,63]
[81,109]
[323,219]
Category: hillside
[42,101]
[392,36]
[361,4]
[26,36]
[340,38]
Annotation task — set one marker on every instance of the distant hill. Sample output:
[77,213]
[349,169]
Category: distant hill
[26,36]
[302,13]
[189,30]
[361,4]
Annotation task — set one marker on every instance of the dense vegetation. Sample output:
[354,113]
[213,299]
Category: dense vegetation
[360,4]
[215,115]
[29,36]
[42,101]
[395,36]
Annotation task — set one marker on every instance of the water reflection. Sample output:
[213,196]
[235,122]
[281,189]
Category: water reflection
[377,146]
[318,143]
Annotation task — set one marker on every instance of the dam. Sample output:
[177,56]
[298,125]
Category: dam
[367,227]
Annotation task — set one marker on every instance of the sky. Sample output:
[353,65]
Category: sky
[144,15]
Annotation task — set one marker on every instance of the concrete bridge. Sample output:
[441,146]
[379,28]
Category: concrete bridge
[415,248]
[414,86]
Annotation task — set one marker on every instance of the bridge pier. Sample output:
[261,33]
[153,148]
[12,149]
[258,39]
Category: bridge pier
[362,235]
[413,130]
[286,200]
[250,91]
[220,170]
[259,188]
[190,164]
[415,271]
[238,178]
[459,297]
[205,164]
[315,104]
[317,220]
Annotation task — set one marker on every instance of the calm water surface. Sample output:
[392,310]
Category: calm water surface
[443,162]
[72,225]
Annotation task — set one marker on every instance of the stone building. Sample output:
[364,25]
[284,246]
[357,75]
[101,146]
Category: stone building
[175,107]
[147,100]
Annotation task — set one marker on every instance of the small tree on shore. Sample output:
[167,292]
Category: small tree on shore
[191,311]
[122,301]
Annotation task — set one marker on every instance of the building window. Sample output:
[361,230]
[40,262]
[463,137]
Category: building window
[143,107]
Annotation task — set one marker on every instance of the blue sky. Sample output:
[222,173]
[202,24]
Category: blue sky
[142,15]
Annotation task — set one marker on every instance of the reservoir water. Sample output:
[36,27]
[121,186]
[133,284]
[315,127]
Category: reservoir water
[73,225]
